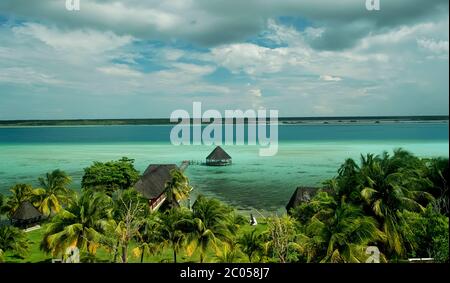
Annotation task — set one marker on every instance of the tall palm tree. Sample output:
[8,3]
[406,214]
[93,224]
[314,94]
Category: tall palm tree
[19,194]
[149,238]
[177,188]
[389,185]
[53,193]
[342,236]
[173,229]
[14,240]
[252,244]
[81,225]
[347,181]
[209,225]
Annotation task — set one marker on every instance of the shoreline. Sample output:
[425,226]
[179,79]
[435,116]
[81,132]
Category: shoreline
[280,123]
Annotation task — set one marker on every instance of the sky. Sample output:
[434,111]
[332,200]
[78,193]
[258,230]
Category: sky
[146,59]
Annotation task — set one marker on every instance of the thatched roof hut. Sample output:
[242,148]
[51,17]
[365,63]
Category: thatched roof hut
[152,184]
[218,157]
[303,195]
[26,215]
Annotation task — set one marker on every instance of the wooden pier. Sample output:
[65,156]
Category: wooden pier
[184,165]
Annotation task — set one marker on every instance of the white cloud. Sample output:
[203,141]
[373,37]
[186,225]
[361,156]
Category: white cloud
[120,70]
[225,21]
[104,51]
[329,78]
[435,46]
[255,92]
[77,41]
[250,58]
[27,76]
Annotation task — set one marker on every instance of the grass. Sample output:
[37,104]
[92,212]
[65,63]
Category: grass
[166,255]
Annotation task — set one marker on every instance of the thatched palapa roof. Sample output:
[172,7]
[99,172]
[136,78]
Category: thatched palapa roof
[301,195]
[26,211]
[153,182]
[218,154]
[305,194]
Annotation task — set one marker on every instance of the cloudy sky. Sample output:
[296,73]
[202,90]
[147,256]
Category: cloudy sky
[139,59]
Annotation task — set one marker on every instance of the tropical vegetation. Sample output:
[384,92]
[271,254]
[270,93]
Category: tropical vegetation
[394,204]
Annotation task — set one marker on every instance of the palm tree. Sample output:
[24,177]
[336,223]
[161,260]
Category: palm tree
[342,236]
[208,226]
[389,185]
[19,194]
[229,253]
[177,188]
[53,193]
[81,225]
[149,238]
[173,229]
[347,181]
[252,244]
[14,240]
[438,173]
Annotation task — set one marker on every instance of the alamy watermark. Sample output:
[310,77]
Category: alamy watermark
[73,5]
[249,127]
[373,5]
[374,254]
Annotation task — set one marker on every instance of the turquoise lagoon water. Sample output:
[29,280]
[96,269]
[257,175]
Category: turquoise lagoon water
[307,155]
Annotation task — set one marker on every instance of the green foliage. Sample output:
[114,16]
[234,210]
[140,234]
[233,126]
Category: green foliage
[53,193]
[110,176]
[130,210]
[387,196]
[252,244]
[321,203]
[150,237]
[19,194]
[173,225]
[2,200]
[282,239]
[13,240]
[438,173]
[428,233]
[440,248]
[177,189]
[340,234]
[81,225]
[398,203]
[209,225]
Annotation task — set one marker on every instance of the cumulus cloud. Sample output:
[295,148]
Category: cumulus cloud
[301,57]
[225,21]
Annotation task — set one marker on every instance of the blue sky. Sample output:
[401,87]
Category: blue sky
[145,59]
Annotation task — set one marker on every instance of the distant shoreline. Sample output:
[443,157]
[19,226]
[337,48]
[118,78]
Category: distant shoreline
[282,121]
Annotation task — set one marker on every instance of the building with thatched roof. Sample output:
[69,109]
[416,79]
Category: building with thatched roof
[26,215]
[218,157]
[152,184]
[303,195]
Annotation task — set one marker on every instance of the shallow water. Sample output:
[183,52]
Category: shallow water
[307,155]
